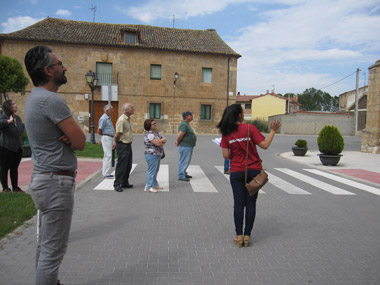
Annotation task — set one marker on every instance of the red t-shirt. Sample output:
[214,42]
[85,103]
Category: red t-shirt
[236,142]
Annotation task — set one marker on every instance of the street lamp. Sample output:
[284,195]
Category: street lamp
[92,81]
[174,84]
[175,78]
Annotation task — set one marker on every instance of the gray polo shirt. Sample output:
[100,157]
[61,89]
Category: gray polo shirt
[43,111]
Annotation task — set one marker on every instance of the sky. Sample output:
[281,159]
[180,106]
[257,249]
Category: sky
[286,45]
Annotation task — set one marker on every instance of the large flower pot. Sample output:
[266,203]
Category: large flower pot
[299,151]
[329,159]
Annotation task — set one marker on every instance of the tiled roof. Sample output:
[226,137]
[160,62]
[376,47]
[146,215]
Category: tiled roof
[102,34]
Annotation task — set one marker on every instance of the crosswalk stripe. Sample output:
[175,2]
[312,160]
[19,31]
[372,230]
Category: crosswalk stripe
[163,177]
[346,181]
[221,170]
[107,184]
[200,182]
[319,184]
[285,186]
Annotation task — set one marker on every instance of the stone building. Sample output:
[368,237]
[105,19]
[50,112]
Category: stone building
[136,64]
[347,103]
[371,133]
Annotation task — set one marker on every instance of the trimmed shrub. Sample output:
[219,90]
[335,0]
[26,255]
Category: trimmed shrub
[330,140]
[301,143]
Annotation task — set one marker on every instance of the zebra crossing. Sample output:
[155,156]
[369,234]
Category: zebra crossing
[201,183]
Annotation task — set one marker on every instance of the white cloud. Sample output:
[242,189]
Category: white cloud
[163,9]
[18,23]
[312,35]
[63,13]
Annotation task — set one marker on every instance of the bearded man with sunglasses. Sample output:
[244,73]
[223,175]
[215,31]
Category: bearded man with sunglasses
[53,136]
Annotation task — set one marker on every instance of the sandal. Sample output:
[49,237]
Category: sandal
[238,240]
[247,239]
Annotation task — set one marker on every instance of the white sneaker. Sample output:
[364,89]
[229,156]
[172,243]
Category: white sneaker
[152,190]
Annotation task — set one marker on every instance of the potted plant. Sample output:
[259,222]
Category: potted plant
[26,151]
[300,148]
[330,144]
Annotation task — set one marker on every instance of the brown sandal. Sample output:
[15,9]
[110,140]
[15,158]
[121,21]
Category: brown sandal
[247,239]
[238,240]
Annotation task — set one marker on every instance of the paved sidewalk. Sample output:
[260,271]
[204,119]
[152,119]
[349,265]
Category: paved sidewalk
[355,164]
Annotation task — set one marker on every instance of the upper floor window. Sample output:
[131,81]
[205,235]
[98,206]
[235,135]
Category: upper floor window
[155,71]
[154,110]
[104,73]
[206,75]
[205,112]
[130,38]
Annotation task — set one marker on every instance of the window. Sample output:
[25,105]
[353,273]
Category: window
[130,38]
[154,110]
[104,73]
[247,106]
[206,75]
[155,71]
[205,112]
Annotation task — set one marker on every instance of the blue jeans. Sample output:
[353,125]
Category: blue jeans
[53,196]
[153,168]
[226,164]
[243,200]
[185,153]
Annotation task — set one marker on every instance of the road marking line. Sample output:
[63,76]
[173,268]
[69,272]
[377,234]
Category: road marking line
[200,182]
[107,183]
[285,186]
[221,170]
[163,177]
[319,184]
[346,181]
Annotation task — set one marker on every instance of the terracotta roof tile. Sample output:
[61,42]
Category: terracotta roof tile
[103,34]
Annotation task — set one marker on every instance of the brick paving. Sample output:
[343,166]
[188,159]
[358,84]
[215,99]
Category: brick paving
[182,237]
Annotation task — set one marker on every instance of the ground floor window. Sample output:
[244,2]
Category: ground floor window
[205,112]
[154,110]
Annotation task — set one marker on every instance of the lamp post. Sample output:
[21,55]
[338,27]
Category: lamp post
[92,82]
[174,85]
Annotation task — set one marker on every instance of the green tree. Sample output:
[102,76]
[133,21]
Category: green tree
[318,100]
[12,77]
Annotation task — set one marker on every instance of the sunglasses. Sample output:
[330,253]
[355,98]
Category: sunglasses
[59,63]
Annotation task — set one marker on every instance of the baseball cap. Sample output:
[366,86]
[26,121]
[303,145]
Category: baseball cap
[186,113]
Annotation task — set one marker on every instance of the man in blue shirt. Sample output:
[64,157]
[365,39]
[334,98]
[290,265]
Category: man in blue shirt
[107,131]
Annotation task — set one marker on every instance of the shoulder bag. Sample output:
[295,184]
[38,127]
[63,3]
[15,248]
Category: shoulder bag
[259,180]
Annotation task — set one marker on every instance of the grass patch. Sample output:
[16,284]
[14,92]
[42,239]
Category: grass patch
[91,150]
[15,209]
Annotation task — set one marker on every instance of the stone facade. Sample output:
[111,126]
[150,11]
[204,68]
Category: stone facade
[371,134]
[132,66]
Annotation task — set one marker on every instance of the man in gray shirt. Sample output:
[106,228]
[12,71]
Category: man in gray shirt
[53,136]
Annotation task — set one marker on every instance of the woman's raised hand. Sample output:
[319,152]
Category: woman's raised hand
[275,125]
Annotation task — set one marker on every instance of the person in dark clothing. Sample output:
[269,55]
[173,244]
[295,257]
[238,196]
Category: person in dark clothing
[11,130]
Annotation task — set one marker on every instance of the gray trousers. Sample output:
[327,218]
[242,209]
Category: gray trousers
[53,196]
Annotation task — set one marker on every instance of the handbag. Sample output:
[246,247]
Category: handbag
[259,180]
[163,155]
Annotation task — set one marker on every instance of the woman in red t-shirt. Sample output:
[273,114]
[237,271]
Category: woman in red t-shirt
[234,146]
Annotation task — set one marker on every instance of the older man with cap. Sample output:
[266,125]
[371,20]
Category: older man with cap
[185,142]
